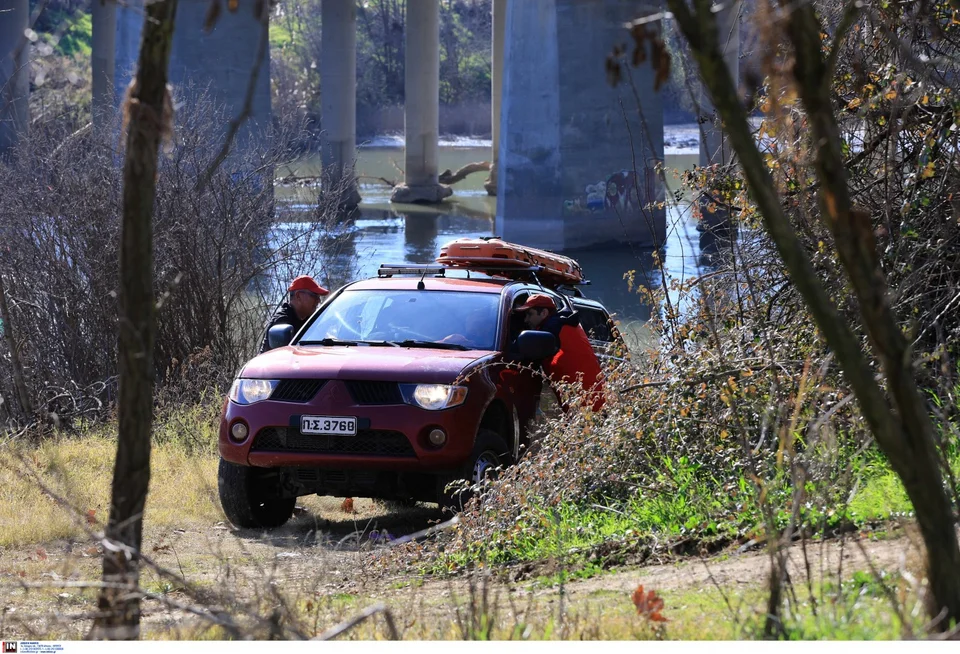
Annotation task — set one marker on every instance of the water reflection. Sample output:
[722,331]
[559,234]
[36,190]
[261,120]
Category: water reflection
[420,238]
[386,235]
[382,232]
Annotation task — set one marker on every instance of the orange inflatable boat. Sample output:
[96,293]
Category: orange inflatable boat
[485,253]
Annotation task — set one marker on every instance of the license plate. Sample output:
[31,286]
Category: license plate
[338,426]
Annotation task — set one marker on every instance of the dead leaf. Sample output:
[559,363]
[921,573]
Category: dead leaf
[41,554]
[648,604]
[91,516]
[161,548]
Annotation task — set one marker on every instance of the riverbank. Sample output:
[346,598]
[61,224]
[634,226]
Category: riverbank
[332,561]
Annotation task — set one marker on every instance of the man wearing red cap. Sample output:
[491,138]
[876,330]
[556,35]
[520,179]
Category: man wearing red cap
[575,359]
[305,295]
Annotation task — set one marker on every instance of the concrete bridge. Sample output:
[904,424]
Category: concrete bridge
[574,160]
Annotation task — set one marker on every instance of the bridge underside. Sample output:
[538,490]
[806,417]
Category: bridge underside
[575,158]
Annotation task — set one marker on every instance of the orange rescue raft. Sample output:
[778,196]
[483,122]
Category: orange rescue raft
[483,253]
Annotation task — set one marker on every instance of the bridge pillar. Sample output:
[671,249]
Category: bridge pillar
[421,106]
[575,169]
[496,90]
[14,73]
[102,58]
[338,75]
[714,147]
[215,66]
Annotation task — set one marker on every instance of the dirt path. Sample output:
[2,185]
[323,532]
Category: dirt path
[326,556]
[824,558]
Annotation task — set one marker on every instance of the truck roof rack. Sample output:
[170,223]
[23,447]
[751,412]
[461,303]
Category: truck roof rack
[440,270]
[422,269]
[391,269]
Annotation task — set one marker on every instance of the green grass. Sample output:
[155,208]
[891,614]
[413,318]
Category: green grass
[590,538]
[881,498]
[77,38]
[280,36]
[846,613]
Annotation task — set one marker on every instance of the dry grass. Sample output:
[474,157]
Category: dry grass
[182,488]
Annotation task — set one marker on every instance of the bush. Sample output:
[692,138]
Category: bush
[224,254]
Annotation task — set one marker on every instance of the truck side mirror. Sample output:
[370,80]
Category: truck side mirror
[536,345]
[279,335]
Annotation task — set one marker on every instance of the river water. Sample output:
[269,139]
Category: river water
[394,233]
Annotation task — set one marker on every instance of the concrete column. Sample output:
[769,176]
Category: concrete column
[421,105]
[102,60]
[496,88]
[714,148]
[214,66]
[574,172]
[338,75]
[14,73]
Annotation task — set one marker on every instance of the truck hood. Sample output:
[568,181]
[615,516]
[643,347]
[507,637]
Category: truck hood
[362,363]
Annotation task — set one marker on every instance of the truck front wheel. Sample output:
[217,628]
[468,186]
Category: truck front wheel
[247,497]
[490,452]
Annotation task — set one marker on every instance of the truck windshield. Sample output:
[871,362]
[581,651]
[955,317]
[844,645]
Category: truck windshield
[409,318]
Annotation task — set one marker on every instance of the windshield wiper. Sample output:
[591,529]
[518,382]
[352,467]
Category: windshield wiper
[336,341]
[431,344]
[327,342]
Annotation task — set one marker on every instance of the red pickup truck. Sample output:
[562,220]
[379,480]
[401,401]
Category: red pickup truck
[395,387]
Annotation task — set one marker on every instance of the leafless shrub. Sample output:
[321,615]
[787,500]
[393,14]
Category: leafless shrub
[224,255]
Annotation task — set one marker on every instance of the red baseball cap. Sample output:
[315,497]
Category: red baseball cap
[306,283]
[538,301]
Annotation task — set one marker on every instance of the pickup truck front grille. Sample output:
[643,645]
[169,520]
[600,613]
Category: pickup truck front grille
[367,442]
[375,392]
[297,390]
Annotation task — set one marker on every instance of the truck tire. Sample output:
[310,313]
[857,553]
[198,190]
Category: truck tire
[246,501]
[490,451]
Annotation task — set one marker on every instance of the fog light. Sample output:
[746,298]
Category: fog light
[239,431]
[437,437]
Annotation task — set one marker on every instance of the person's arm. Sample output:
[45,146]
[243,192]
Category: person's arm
[280,317]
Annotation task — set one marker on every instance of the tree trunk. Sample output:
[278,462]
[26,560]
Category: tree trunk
[19,379]
[900,422]
[146,107]
[913,455]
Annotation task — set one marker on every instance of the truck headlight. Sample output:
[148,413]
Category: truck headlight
[433,397]
[249,391]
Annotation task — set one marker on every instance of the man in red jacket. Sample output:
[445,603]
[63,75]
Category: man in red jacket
[575,359]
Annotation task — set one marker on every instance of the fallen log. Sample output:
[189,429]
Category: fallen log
[447,177]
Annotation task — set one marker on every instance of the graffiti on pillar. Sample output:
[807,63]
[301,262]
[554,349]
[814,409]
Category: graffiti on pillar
[596,195]
[618,192]
[622,191]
